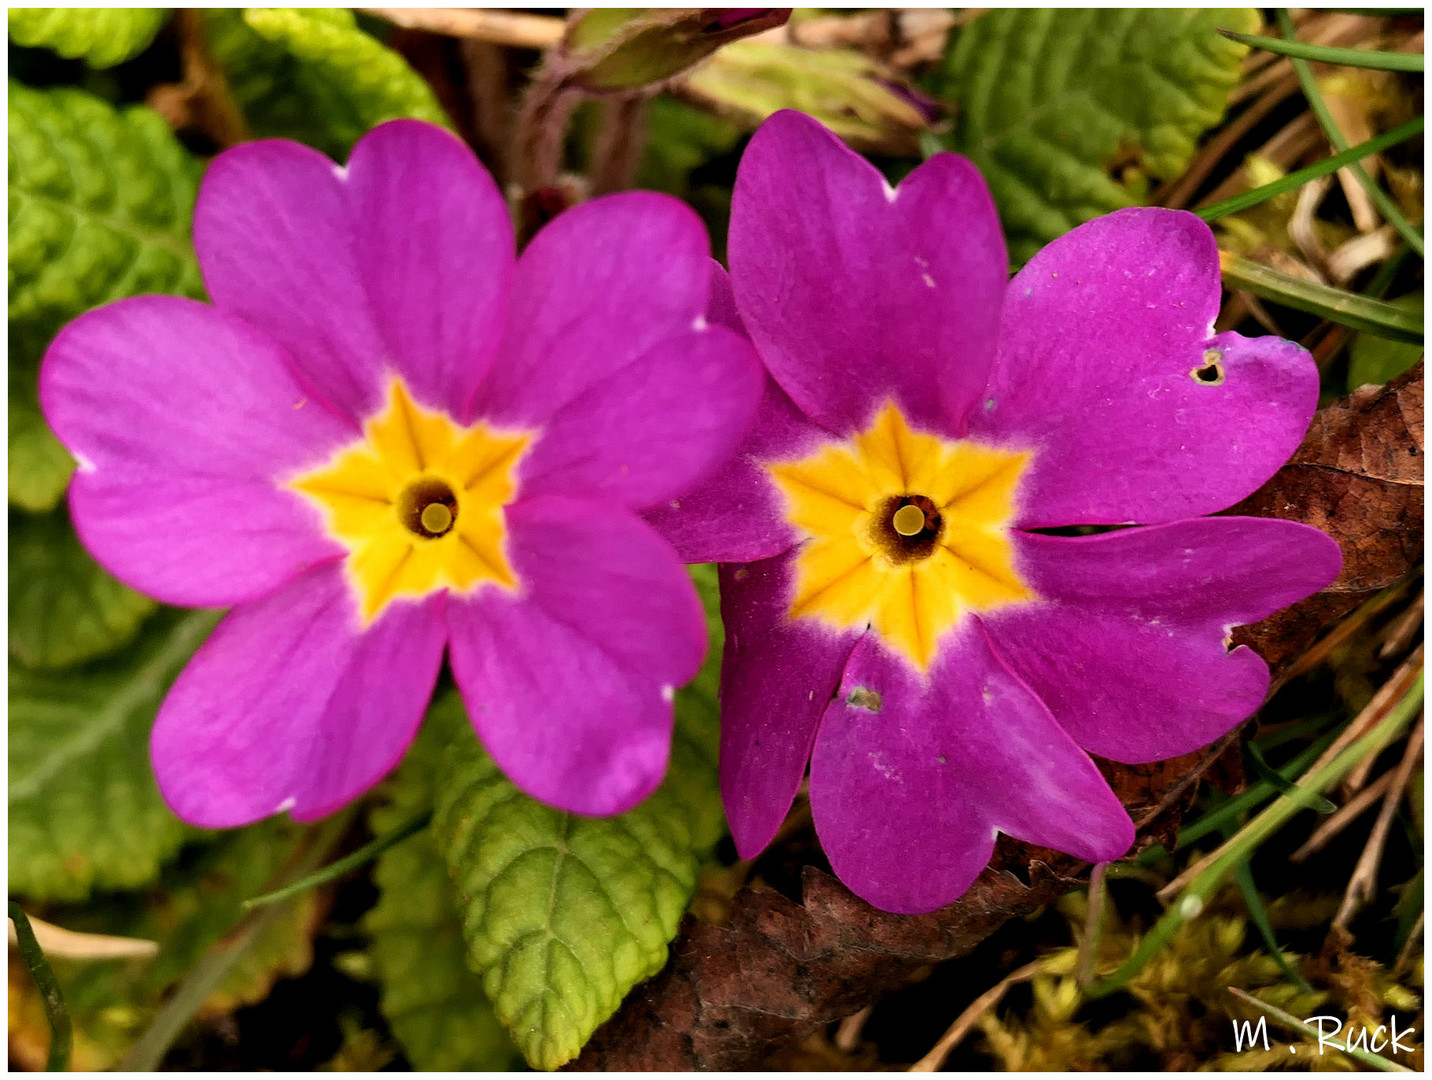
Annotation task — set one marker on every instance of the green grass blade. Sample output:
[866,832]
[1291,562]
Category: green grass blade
[55,1011]
[1385,206]
[1286,786]
[1361,58]
[1254,796]
[1293,180]
[1259,915]
[341,866]
[1336,305]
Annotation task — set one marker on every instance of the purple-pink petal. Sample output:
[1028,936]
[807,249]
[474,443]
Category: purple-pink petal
[854,291]
[435,249]
[570,683]
[777,677]
[291,706]
[911,778]
[609,355]
[1110,371]
[398,263]
[1128,645]
[183,420]
[737,515]
[274,235]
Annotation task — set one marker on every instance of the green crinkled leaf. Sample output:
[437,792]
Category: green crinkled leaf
[433,1000]
[313,75]
[64,609]
[564,914]
[100,203]
[84,809]
[101,37]
[1378,360]
[1070,112]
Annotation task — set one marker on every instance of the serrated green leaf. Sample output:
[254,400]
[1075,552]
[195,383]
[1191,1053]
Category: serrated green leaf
[1070,112]
[100,204]
[564,914]
[101,37]
[84,809]
[1376,360]
[433,1000]
[313,75]
[64,609]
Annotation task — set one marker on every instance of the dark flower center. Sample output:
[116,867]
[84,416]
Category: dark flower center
[906,528]
[427,507]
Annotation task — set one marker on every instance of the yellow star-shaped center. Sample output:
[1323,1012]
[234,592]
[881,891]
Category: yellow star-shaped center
[418,503]
[905,531]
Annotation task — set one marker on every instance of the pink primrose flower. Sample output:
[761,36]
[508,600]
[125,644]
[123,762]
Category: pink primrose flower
[902,617]
[388,437]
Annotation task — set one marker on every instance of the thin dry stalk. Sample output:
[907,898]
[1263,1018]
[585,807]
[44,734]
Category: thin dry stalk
[1345,816]
[510,28]
[1301,227]
[1398,636]
[1363,885]
[201,99]
[1355,256]
[952,1038]
[1344,631]
[72,945]
[1409,947]
[1093,926]
[847,1036]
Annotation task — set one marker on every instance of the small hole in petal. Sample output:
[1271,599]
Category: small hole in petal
[861,698]
[1210,373]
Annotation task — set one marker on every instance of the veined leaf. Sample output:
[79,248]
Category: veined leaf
[313,75]
[433,1000]
[100,204]
[84,809]
[101,37]
[64,609]
[564,914]
[1070,113]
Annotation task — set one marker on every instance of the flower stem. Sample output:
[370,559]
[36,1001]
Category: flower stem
[55,1011]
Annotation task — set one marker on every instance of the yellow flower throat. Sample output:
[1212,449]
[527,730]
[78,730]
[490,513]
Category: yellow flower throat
[418,503]
[904,532]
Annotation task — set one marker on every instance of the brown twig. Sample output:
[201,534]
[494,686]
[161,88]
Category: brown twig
[1363,885]
[1345,816]
[201,99]
[952,1038]
[847,1036]
[511,28]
